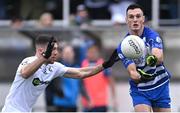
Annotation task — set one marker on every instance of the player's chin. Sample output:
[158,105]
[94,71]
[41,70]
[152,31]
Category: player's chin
[51,61]
[135,28]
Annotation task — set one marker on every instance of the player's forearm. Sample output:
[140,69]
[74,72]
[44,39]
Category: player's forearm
[135,76]
[133,73]
[159,54]
[83,72]
[31,68]
[90,71]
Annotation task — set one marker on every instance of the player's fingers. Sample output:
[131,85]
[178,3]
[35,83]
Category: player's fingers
[52,44]
[52,39]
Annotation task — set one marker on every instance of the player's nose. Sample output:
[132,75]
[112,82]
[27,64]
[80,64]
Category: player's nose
[55,52]
[135,19]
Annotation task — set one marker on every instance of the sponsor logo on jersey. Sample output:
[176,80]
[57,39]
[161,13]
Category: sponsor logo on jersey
[37,81]
[158,39]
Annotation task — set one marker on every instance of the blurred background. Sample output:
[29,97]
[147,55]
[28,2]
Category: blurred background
[79,22]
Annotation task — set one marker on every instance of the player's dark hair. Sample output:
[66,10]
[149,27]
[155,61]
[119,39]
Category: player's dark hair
[43,39]
[134,6]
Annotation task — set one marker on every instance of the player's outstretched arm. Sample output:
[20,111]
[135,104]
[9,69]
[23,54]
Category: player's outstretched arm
[29,69]
[83,72]
[90,71]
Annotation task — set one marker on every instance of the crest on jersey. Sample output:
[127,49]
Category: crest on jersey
[47,69]
[158,39]
[24,63]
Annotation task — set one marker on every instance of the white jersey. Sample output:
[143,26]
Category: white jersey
[24,92]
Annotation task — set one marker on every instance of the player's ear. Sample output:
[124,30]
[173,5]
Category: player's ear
[126,19]
[40,50]
[143,19]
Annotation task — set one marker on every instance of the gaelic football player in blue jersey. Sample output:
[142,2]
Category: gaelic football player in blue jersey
[149,79]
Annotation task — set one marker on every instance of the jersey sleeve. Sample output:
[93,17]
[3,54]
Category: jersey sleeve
[25,62]
[126,61]
[61,69]
[155,41]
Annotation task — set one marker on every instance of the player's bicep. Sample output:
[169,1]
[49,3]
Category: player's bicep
[22,65]
[156,42]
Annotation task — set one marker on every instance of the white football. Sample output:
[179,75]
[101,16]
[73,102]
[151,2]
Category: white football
[133,47]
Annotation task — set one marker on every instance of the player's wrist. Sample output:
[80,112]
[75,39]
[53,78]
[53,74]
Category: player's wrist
[145,76]
[107,64]
[151,60]
[44,55]
[113,58]
[43,59]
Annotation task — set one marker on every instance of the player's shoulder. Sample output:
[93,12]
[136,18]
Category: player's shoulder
[58,64]
[149,32]
[29,59]
[60,68]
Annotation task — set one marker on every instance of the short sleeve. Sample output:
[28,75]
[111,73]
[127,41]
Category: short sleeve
[25,62]
[126,62]
[61,69]
[156,41]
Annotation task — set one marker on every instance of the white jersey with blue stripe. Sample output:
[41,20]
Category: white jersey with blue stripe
[152,40]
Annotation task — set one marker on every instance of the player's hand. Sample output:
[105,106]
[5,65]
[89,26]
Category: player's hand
[49,48]
[114,58]
[145,76]
[151,60]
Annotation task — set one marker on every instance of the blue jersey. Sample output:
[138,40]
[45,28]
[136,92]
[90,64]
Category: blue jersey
[152,40]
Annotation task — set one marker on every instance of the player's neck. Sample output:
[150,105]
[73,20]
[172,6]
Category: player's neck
[138,32]
[37,55]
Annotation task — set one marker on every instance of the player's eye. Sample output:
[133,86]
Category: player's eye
[131,16]
[138,16]
[55,48]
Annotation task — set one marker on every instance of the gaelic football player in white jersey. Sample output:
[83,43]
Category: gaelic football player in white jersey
[34,74]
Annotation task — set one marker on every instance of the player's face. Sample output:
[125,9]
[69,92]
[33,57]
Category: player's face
[135,19]
[54,54]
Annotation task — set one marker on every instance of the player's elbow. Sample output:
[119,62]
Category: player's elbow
[81,76]
[24,74]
